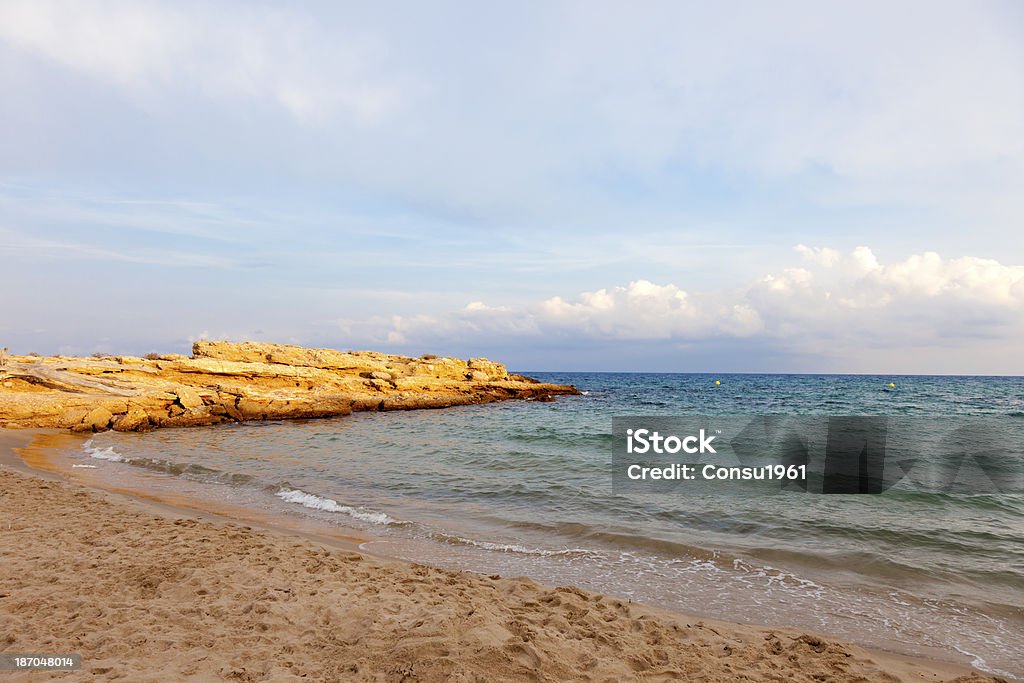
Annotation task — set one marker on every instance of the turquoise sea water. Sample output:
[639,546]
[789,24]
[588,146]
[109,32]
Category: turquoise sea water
[524,488]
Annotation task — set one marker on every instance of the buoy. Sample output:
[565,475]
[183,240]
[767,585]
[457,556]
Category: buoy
[717,382]
[892,385]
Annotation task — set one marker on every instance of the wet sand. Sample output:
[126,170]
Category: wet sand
[151,592]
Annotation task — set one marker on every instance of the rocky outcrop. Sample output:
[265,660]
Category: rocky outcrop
[487,369]
[225,381]
[135,419]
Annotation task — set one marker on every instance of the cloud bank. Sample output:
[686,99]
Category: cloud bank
[833,304]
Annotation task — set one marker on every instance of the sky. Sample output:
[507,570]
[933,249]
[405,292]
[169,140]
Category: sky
[678,187]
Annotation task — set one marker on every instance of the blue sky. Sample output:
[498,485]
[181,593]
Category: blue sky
[746,187]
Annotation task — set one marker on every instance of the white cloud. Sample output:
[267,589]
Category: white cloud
[644,310]
[865,260]
[480,308]
[822,255]
[841,303]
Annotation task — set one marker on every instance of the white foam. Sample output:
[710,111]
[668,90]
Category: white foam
[509,547]
[981,665]
[107,453]
[326,504]
[776,578]
[90,467]
[503,547]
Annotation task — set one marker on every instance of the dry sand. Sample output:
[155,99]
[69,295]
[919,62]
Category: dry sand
[148,594]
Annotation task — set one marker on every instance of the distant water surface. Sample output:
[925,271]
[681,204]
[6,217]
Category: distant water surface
[524,488]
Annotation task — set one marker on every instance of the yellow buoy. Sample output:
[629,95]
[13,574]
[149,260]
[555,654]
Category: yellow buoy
[717,382]
[892,385]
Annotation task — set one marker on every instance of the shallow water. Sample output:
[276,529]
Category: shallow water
[524,488]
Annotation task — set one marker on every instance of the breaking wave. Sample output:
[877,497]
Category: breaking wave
[315,502]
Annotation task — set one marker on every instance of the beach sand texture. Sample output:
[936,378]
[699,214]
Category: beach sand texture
[150,594]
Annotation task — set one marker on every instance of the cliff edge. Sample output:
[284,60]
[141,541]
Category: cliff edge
[225,381]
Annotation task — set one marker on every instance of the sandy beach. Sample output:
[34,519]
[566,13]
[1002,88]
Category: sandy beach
[150,593]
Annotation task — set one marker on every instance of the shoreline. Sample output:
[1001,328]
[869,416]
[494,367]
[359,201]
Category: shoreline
[515,615]
[13,448]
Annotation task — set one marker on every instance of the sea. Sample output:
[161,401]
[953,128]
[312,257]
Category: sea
[524,488]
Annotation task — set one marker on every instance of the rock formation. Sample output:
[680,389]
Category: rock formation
[225,381]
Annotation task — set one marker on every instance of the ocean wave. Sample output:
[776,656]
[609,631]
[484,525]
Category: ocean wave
[186,470]
[107,453]
[776,576]
[315,502]
[507,547]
